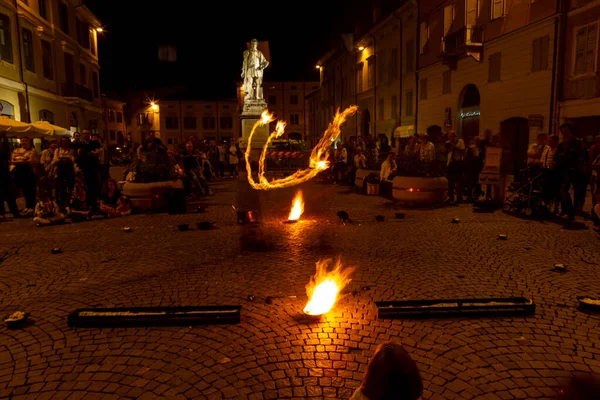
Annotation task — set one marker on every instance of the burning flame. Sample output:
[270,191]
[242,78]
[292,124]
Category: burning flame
[318,157]
[297,207]
[324,287]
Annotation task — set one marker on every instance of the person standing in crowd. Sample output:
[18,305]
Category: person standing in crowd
[64,160]
[89,162]
[360,162]
[213,156]
[391,374]
[25,161]
[550,181]
[388,168]
[341,161]
[456,151]
[426,149]
[192,169]
[583,179]
[7,189]
[534,152]
[47,172]
[412,148]
[222,153]
[76,143]
[233,159]
[473,166]
[595,169]
[568,160]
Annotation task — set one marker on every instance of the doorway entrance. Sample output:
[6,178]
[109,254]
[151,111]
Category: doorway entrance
[514,134]
[468,113]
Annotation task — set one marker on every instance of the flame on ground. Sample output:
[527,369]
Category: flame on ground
[318,157]
[325,286]
[297,207]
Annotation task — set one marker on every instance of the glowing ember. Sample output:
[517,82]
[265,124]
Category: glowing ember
[318,157]
[297,207]
[324,287]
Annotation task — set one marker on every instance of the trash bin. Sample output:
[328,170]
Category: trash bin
[372,189]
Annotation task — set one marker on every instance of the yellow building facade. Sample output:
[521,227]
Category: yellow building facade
[49,63]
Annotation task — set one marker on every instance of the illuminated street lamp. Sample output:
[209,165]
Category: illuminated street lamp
[99,29]
[154,106]
[361,48]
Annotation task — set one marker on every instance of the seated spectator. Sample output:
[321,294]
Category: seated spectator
[112,203]
[47,212]
[388,168]
[391,374]
[78,209]
[426,149]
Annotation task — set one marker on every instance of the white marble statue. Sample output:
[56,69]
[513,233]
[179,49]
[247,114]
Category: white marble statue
[252,71]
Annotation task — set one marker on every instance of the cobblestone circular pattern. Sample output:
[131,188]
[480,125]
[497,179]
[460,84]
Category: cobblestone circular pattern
[275,352]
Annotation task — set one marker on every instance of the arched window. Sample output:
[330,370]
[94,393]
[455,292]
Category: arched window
[7,109]
[46,115]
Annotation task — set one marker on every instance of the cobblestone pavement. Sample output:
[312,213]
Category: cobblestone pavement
[274,352]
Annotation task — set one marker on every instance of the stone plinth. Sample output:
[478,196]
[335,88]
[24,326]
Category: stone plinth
[251,113]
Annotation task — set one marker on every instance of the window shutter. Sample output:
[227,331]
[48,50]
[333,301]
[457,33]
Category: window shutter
[535,59]
[580,51]
[590,48]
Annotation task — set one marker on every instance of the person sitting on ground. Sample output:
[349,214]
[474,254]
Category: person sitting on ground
[391,374]
[191,167]
[388,168]
[78,209]
[47,212]
[112,203]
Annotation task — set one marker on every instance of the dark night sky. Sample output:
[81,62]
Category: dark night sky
[210,40]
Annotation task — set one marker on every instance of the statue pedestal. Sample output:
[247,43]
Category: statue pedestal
[251,113]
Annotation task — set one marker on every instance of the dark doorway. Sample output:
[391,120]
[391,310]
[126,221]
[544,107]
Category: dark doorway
[469,112]
[365,123]
[514,134]
[120,138]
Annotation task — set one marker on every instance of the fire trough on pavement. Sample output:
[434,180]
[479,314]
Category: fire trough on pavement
[451,308]
[154,316]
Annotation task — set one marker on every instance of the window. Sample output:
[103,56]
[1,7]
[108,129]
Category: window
[63,17]
[28,59]
[78,30]
[424,35]
[189,122]
[92,42]
[497,8]
[394,64]
[539,59]
[272,99]
[294,119]
[172,122]
[359,78]
[394,107]
[113,135]
[47,60]
[293,88]
[423,85]
[471,12]
[380,110]
[226,122]
[83,74]
[46,115]
[294,99]
[119,116]
[85,35]
[111,116]
[448,18]
[410,56]
[95,84]
[208,122]
[370,72]
[6,53]
[43,9]
[446,85]
[585,49]
[494,68]
[409,104]
[142,118]
[7,109]
[169,141]
[381,68]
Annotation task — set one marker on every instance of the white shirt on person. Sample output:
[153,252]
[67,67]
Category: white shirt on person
[387,168]
[360,161]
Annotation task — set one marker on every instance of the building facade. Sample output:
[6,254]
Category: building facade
[49,63]
[580,82]
[377,72]
[203,119]
[488,65]
[115,127]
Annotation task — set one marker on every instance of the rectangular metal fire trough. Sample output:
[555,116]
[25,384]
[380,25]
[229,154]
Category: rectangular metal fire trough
[155,316]
[487,307]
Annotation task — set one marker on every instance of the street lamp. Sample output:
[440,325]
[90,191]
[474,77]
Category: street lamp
[361,48]
[99,29]
[154,106]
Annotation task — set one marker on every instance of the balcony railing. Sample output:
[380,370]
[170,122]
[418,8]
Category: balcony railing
[457,41]
[78,91]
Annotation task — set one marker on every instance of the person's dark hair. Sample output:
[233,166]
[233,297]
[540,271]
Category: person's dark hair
[567,125]
[541,135]
[114,182]
[392,375]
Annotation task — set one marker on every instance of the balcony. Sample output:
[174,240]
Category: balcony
[75,90]
[466,41]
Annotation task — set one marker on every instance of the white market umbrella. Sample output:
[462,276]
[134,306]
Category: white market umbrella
[11,125]
[47,128]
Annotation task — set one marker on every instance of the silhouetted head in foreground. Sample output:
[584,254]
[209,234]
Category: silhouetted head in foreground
[581,388]
[391,375]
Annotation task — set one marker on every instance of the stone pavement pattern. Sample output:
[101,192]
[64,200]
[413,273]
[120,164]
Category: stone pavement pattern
[274,352]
